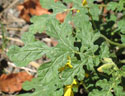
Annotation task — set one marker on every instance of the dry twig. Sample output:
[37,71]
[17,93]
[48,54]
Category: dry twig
[11,5]
[13,39]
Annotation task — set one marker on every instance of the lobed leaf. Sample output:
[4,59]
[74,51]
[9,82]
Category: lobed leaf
[30,52]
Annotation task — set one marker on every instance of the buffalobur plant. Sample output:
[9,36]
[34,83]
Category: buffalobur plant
[89,57]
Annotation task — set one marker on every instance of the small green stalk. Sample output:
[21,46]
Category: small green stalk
[113,43]
[4,40]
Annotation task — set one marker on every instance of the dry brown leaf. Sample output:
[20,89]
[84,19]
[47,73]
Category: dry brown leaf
[61,16]
[30,8]
[13,82]
[54,42]
[33,7]
[56,0]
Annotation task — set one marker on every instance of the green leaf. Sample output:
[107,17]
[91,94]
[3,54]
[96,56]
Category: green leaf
[30,52]
[113,17]
[112,6]
[123,39]
[52,30]
[44,90]
[121,25]
[115,5]
[84,29]
[81,20]
[121,5]
[110,85]
[104,52]
[59,7]
[47,80]
[64,37]
[119,91]
[104,84]
[69,74]
[47,3]
[49,71]
[39,23]
[106,87]
[80,73]
[123,70]
[94,11]
[57,30]
[96,92]
[28,38]
[68,1]
[90,60]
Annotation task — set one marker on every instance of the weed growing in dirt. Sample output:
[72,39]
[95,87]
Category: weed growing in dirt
[89,53]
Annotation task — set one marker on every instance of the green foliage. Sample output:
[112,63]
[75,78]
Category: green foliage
[119,6]
[86,42]
[28,53]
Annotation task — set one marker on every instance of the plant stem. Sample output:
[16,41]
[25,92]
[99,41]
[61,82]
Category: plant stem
[85,86]
[3,36]
[112,42]
[108,40]
[92,20]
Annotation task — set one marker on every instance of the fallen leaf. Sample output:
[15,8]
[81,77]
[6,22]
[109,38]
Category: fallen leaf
[33,7]
[30,8]
[56,0]
[61,16]
[11,83]
[54,42]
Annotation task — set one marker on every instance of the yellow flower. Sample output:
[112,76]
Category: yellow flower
[78,11]
[74,82]
[68,89]
[84,2]
[67,65]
